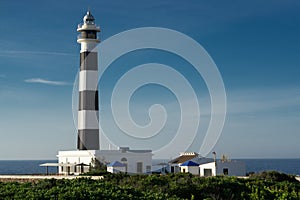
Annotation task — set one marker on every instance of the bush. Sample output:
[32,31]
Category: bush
[274,176]
[269,185]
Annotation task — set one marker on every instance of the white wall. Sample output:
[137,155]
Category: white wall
[191,169]
[116,169]
[74,157]
[235,168]
[107,156]
[210,165]
[175,167]
[133,158]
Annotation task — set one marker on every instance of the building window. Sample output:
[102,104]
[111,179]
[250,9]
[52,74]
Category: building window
[207,172]
[148,168]
[124,161]
[225,171]
[139,167]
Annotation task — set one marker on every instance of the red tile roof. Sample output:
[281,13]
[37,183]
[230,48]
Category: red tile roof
[183,158]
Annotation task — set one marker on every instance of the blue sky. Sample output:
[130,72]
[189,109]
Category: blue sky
[255,45]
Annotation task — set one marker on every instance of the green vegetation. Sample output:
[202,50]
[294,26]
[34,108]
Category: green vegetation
[267,185]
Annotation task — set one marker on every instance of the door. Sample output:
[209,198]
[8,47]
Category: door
[139,167]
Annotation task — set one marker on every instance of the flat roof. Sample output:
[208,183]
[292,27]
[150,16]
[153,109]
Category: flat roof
[56,165]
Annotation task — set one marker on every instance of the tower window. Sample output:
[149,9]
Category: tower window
[89,34]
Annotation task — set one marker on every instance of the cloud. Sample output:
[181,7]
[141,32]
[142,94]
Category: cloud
[47,82]
[262,99]
[16,52]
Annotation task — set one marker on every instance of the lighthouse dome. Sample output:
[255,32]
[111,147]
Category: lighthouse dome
[88,18]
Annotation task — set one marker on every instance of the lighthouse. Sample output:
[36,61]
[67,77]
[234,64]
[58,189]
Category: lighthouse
[88,151]
[88,111]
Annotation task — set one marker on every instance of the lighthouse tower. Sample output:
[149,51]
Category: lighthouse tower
[88,111]
[80,160]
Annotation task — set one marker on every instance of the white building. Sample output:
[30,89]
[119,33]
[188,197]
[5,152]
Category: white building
[174,164]
[208,169]
[190,167]
[79,161]
[230,168]
[116,167]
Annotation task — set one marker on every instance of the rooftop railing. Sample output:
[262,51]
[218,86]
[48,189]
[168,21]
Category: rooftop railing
[94,26]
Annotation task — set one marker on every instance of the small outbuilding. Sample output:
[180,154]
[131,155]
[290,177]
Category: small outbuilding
[231,168]
[190,167]
[116,167]
[208,169]
[227,168]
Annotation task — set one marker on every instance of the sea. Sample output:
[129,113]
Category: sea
[288,166]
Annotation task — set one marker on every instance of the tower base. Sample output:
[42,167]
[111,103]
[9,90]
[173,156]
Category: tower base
[81,161]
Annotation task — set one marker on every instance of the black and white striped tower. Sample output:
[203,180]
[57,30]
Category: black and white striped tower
[88,112]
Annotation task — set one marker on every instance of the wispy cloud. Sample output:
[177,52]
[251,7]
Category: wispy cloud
[266,99]
[16,52]
[47,82]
